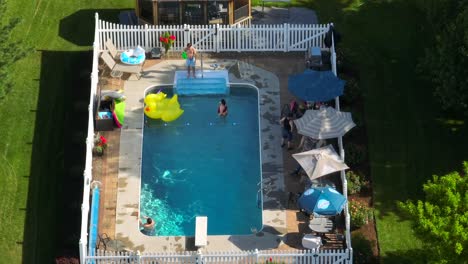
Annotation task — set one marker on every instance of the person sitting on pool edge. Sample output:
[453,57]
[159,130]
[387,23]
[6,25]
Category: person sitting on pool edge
[222,108]
[148,227]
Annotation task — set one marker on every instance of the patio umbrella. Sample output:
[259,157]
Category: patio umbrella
[320,162]
[322,201]
[315,85]
[324,123]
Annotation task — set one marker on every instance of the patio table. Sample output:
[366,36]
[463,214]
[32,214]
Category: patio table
[321,224]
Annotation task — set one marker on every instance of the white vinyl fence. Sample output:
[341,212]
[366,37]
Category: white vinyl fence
[254,257]
[216,38]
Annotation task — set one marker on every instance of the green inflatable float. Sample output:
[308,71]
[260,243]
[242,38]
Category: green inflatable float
[119,112]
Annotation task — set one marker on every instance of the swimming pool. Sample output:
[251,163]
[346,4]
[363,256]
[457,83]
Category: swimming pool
[204,165]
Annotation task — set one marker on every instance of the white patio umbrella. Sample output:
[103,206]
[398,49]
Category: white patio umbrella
[320,162]
[324,123]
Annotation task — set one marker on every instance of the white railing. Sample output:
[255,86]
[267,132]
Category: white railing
[241,13]
[216,38]
[244,22]
[341,149]
[257,38]
[254,256]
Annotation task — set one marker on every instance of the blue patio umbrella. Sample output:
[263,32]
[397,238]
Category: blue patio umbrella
[315,85]
[322,201]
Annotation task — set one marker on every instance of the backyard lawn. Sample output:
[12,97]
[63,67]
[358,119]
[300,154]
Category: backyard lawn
[44,119]
[43,131]
[409,139]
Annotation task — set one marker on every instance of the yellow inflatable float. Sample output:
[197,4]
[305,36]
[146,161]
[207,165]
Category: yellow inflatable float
[160,107]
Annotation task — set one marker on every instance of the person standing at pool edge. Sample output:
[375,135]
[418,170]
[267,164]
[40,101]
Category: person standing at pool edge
[287,125]
[222,108]
[190,61]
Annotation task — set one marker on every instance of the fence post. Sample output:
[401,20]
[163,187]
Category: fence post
[138,256]
[286,37]
[199,257]
[238,38]
[82,248]
[256,255]
[146,37]
[217,37]
[186,34]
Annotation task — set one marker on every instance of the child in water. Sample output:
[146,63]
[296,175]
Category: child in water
[222,108]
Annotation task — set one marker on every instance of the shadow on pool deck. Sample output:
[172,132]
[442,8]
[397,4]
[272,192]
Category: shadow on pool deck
[282,65]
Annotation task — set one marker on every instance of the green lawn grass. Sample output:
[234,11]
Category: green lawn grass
[42,136]
[409,139]
[41,146]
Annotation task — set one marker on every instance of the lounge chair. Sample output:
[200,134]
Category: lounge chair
[112,49]
[135,70]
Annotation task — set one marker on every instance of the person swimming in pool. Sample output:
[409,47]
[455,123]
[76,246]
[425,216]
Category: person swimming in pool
[222,108]
[190,62]
[148,227]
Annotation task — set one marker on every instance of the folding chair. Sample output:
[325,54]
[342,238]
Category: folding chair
[118,67]
[112,49]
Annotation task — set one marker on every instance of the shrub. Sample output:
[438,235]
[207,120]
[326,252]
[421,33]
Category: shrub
[355,182]
[360,213]
[352,91]
[354,154]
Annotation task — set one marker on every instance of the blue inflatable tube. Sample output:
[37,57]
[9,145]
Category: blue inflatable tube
[93,224]
[130,59]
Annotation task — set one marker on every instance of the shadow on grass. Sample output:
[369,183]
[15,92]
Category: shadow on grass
[58,156]
[409,138]
[413,256]
[78,27]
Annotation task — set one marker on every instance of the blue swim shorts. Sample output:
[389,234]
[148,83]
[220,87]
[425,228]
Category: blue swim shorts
[190,62]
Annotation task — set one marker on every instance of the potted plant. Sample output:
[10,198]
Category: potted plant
[100,144]
[167,41]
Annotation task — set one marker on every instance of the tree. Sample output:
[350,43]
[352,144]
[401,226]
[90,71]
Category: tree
[10,50]
[441,220]
[446,63]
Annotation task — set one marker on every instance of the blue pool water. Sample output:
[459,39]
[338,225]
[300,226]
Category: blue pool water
[204,165]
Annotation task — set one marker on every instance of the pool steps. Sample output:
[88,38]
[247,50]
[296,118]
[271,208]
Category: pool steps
[212,82]
[201,86]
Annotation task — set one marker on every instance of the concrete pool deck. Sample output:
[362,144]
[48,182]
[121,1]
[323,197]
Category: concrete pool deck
[128,192]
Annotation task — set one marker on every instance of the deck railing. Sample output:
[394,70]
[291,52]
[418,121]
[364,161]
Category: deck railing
[241,13]
[255,38]
[254,256]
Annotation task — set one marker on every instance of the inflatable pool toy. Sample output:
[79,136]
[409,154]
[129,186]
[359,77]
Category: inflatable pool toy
[160,107]
[119,113]
[133,56]
[184,55]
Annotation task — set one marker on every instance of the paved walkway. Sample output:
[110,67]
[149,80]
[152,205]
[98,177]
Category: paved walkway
[274,217]
[284,226]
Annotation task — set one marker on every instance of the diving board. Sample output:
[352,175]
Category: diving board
[201,231]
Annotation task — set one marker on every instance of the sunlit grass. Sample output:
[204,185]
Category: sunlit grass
[20,143]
